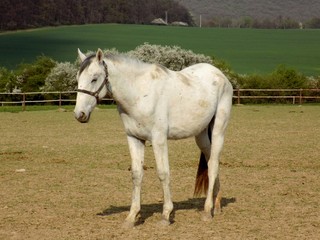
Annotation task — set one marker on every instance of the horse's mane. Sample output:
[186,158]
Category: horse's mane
[128,60]
[86,63]
[131,61]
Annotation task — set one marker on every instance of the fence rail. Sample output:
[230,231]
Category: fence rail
[43,98]
[294,96]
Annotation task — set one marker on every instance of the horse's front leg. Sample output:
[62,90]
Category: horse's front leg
[160,148]
[136,148]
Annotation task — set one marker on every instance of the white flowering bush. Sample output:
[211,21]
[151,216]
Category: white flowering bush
[172,57]
[314,82]
[176,58]
[61,78]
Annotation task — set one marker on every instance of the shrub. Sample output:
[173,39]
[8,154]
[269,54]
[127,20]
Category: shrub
[284,77]
[253,81]
[7,80]
[172,57]
[31,77]
[281,78]
[61,78]
[314,82]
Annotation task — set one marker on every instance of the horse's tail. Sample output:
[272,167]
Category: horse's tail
[202,179]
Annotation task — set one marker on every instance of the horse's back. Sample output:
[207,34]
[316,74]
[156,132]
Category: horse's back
[205,72]
[193,98]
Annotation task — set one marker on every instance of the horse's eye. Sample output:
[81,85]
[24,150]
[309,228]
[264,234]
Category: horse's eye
[94,80]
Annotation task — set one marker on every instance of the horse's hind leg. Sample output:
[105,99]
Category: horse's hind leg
[136,148]
[218,131]
[217,196]
[203,141]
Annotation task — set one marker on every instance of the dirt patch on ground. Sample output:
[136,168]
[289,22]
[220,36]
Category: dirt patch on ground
[63,180]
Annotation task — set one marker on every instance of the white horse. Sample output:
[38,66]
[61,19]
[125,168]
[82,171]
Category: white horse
[157,104]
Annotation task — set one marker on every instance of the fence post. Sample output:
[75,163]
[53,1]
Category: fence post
[23,101]
[238,90]
[60,100]
[300,98]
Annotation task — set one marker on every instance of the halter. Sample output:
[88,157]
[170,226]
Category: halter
[104,83]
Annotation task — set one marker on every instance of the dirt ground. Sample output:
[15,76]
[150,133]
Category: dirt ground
[60,179]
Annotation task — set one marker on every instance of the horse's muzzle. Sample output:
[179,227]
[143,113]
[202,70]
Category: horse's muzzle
[82,117]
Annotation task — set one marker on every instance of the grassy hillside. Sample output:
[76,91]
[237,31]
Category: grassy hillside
[246,50]
[295,9]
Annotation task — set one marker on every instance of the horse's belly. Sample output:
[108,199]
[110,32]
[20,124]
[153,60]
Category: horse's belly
[181,133]
[189,123]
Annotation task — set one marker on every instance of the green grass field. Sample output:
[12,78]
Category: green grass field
[246,50]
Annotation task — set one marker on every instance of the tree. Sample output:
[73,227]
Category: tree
[7,80]
[246,22]
[21,14]
[31,77]
[313,23]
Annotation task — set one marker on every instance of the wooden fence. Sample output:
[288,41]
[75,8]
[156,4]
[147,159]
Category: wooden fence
[37,98]
[33,98]
[294,96]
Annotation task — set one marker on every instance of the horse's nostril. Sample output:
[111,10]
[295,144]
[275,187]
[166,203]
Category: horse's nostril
[82,117]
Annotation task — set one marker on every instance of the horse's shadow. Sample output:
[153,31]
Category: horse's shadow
[147,210]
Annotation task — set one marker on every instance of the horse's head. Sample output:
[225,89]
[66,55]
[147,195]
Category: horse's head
[92,80]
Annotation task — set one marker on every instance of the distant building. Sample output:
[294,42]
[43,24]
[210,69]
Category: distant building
[183,24]
[159,21]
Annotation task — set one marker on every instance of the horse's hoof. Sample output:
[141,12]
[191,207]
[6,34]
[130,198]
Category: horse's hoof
[206,217]
[217,211]
[164,222]
[127,224]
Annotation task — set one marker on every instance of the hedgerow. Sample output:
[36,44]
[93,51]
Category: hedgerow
[282,77]
[47,75]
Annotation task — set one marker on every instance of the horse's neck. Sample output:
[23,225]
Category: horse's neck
[121,77]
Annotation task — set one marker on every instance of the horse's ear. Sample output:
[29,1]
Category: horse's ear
[81,55]
[99,55]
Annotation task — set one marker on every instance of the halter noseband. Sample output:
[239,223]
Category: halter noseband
[104,83]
